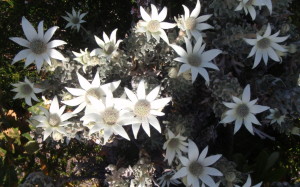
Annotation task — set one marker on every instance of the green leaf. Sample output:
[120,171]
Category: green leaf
[27,136]
[31,147]
[2,153]
[271,161]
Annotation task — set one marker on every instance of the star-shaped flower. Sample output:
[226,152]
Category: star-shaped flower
[174,145]
[243,111]
[53,120]
[265,46]
[196,59]
[26,90]
[248,6]
[276,116]
[108,117]
[192,24]
[144,108]
[108,47]
[39,47]
[153,25]
[196,167]
[74,19]
[87,90]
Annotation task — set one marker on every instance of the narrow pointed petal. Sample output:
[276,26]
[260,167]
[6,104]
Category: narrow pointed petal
[212,171]
[188,45]
[195,13]
[154,12]
[255,109]
[193,151]
[268,31]
[258,57]
[207,180]
[204,26]
[146,127]
[228,119]
[28,29]
[131,95]
[183,68]
[186,12]
[54,108]
[49,33]
[83,82]
[246,94]
[198,45]
[141,90]
[153,94]
[144,14]
[250,41]
[154,122]
[252,12]
[47,133]
[249,126]
[121,131]
[21,55]
[211,160]
[180,173]
[166,25]
[237,125]
[272,54]
[163,14]
[55,43]
[74,102]
[203,18]
[20,41]
[76,91]
[160,103]
[179,50]
[210,54]
[56,55]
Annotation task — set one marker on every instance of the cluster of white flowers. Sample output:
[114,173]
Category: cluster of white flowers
[106,115]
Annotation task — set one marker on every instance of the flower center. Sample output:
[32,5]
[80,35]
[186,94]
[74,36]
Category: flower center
[173,143]
[110,116]
[142,108]
[153,26]
[277,115]
[242,110]
[54,120]
[194,60]
[109,48]
[190,23]
[75,20]
[93,92]
[195,168]
[26,89]
[38,46]
[264,43]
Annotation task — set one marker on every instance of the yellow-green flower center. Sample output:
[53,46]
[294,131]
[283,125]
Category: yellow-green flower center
[110,116]
[153,26]
[54,120]
[242,110]
[75,20]
[194,60]
[93,92]
[142,108]
[264,43]
[277,114]
[109,48]
[190,23]
[195,168]
[174,143]
[26,89]
[38,46]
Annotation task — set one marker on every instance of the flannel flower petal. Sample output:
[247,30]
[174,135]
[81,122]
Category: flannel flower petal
[266,46]
[144,108]
[153,24]
[108,47]
[88,90]
[248,183]
[40,48]
[174,146]
[54,120]
[196,166]
[196,59]
[192,24]
[75,19]
[26,90]
[243,111]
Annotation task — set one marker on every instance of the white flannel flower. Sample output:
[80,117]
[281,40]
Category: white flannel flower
[196,59]
[265,46]
[248,6]
[165,179]
[174,145]
[243,111]
[74,19]
[144,108]
[39,47]
[54,120]
[275,116]
[153,25]
[85,59]
[87,89]
[248,183]
[26,90]
[195,167]
[108,47]
[108,117]
[192,24]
